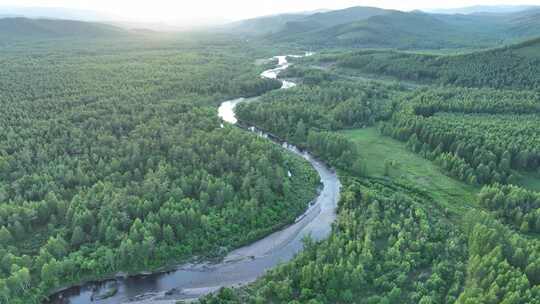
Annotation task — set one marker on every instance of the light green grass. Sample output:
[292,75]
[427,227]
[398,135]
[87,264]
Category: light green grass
[410,168]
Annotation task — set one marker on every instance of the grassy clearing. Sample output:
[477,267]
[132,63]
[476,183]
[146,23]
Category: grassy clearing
[409,168]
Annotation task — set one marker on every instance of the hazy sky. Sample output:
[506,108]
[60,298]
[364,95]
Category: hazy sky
[177,10]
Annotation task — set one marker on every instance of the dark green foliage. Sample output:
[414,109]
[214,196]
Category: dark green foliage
[471,101]
[385,248]
[515,67]
[490,144]
[391,243]
[503,267]
[24,29]
[323,105]
[303,115]
[336,149]
[453,128]
[113,159]
[514,204]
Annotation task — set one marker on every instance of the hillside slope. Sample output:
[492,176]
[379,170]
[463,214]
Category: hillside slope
[516,66]
[24,28]
[369,27]
[393,29]
[344,16]
[285,24]
[263,25]
[525,24]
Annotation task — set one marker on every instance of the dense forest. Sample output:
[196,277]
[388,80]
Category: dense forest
[392,242]
[385,248]
[115,160]
[305,114]
[513,67]
[330,106]
[515,205]
[22,29]
[480,136]
[390,246]
[503,266]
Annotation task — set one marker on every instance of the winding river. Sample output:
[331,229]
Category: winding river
[241,266]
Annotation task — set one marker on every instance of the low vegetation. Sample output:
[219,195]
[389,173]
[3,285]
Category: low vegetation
[390,159]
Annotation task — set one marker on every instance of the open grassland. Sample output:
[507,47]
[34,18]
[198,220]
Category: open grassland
[386,157]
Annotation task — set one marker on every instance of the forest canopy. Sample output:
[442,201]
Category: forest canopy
[113,159]
[393,241]
[512,67]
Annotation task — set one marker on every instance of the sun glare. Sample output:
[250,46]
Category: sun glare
[191,10]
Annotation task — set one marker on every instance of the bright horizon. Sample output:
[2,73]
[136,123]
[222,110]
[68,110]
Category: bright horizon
[170,11]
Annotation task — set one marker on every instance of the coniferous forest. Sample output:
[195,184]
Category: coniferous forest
[393,242]
[113,160]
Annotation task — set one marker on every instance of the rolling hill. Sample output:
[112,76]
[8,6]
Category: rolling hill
[393,29]
[54,13]
[24,28]
[338,17]
[303,22]
[512,67]
[263,25]
[484,9]
[525,23]
[369,27]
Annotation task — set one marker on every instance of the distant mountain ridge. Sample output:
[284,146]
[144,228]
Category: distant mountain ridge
[54,13]
[355,27]
[370,27]
[262,25]
[485,9]
[24,28]
[302,22]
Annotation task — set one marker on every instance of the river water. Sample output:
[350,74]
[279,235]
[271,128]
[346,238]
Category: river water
[241,266]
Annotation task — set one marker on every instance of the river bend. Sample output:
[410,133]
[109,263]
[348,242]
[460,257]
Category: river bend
[241,266]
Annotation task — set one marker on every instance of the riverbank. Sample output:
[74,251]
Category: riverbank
[243,265]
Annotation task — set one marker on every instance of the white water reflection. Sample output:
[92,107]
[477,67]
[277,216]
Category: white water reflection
[226,109]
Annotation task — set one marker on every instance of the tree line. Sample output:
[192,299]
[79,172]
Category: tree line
[470,133]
